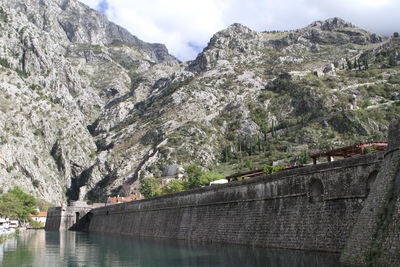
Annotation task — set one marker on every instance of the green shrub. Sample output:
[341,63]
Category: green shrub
[37,224]
[4,62]
[208,177]
[268,169]
[369,150]
[150,187]
[394,79]
[193,174]
[174,186]
[17,204]
[366,103]
[265,95]
[36,183]
[10,169]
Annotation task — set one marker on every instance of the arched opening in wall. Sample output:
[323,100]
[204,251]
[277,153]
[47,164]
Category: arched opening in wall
[316,191]
[370,182]
[76,217]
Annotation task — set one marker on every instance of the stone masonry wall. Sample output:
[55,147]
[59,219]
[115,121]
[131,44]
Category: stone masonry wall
[282,210]
[53,221]
[67,217]
[375,238]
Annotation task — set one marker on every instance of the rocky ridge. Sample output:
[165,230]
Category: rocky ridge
[88,109]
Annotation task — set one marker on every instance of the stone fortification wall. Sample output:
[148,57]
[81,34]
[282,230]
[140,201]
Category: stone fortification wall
[375,238]
[67,217]
[53,220]
[310,208]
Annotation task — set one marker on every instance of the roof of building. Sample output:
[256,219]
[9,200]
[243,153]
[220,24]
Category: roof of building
[352,150]
[256,173]
[40,214]
[118,199]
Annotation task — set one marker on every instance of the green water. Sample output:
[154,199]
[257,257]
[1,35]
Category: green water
[40,248]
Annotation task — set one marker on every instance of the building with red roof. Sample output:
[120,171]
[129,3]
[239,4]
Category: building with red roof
[118,199]
[40,217]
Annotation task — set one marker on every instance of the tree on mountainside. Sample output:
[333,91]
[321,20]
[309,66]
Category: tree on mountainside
[193,174]
[365,63]
[175,185]
[196,177]
[150,187]
[349,65]
[16,204]
[392,61]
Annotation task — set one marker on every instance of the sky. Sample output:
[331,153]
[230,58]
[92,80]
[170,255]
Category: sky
[186,26]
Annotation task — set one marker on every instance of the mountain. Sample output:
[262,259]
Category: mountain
[87,109]
[61,64]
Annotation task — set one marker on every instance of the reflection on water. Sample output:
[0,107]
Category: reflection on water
[40,248]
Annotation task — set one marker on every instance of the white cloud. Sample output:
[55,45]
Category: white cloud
[187,25]
[176,23]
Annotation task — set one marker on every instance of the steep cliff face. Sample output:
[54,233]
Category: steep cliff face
[87,107]
[61,63]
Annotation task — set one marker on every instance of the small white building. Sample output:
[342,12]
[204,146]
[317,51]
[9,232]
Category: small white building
[40,217]
[220,181]
[4,222]
[6,226]
[13,224]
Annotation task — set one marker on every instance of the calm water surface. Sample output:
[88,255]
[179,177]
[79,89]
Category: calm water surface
[40,248]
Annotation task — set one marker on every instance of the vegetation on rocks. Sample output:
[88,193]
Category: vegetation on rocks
[195,177]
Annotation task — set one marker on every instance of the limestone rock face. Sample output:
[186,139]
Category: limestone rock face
[87,109]
[62,62]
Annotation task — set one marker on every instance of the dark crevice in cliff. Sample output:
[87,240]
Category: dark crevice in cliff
[77,182]
[102,145]
[57,154]
[92,127]
[96,194]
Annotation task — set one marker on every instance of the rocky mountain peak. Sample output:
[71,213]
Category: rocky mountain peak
[234,40]
[337,31]
[238,28]
[332,24]
[77,23]
[234,33]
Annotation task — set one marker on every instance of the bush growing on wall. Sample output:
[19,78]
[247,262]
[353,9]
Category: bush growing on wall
[268,169]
